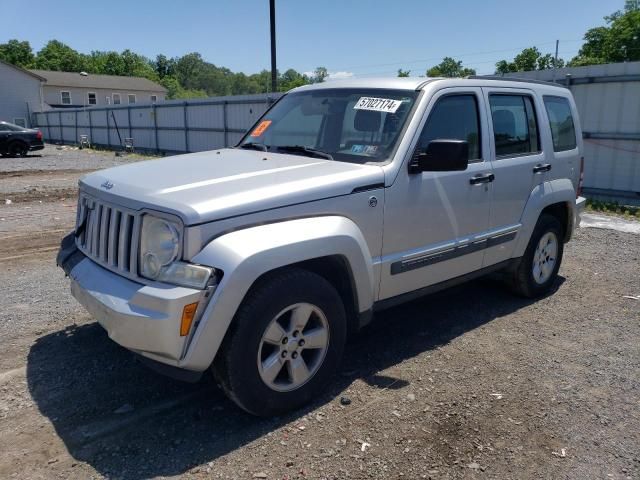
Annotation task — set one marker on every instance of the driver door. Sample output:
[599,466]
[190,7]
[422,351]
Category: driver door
[435,223]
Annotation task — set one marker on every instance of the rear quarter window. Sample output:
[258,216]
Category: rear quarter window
[563,130]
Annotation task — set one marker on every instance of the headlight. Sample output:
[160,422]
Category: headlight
[159,244]
[159,248]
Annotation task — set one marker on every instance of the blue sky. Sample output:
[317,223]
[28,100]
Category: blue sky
[349,37]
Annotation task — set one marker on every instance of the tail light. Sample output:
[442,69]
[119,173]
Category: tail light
[39,135]
[581,179]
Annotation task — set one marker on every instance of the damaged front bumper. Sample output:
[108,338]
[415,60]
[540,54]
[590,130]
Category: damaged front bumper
[142,318]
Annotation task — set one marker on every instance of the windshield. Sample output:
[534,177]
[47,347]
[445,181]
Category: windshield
[350,125]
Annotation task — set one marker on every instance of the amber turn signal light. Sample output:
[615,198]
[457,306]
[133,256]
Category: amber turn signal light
[188,314]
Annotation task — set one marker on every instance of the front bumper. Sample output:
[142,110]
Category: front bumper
[143,318]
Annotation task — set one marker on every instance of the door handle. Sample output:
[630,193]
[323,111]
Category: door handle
[482,178]
[542,167]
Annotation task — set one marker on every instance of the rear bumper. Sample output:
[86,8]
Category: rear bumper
[142,318]
[581,202]
[36,146]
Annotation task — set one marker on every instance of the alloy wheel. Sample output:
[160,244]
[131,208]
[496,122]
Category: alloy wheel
[293,347]
[544,258]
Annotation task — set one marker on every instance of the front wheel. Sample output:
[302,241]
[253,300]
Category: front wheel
[538,268]
[285,342]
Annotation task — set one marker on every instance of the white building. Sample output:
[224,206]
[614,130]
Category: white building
[72,90]
[20,94]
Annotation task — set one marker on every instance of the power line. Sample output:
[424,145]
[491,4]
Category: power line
[385,72]
[458,55]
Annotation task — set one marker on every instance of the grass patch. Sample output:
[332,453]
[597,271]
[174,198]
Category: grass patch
[615,208]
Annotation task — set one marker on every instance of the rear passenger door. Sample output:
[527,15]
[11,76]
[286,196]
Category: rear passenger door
[518,163]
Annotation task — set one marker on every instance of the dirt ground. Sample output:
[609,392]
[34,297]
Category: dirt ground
[468,383]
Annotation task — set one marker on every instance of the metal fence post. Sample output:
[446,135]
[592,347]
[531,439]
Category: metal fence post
[60,127]
[185,121]
[155,126]
[75,114]
[90,128]
[106,113]
[129,120]
[224,123]
[46,117]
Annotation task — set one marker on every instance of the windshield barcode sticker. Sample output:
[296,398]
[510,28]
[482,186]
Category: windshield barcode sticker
[377,104]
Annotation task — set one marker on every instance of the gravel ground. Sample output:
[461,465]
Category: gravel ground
[468,383]
[65,157]
[489,387]
[38,195]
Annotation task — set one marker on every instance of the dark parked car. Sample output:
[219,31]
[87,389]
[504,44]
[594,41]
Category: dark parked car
[18,141]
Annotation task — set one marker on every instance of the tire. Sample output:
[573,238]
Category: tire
[255,349]
[538,268]
[17,149]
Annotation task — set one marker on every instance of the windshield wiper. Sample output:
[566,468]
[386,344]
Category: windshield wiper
[312,152]
[254,146]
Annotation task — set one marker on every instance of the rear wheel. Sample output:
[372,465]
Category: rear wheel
[18,149]
[284,344]
[538,268]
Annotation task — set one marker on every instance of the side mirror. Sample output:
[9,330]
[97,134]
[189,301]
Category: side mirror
[441,156]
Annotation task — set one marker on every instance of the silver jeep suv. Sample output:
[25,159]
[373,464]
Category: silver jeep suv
[345,198]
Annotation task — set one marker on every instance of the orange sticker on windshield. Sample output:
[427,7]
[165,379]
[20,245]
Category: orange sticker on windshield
[260,129]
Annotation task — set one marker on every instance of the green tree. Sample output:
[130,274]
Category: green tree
[527,60]
[292,79]
[320,74]
[403,73]
[55,55]
[188,76]
[619,41]
[503,67]
[17,53]
[188,68]
[164,66]
[449,67]
[135,65]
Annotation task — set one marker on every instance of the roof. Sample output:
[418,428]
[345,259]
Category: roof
[28,72]
[395,83]
[109,82]
[418,83]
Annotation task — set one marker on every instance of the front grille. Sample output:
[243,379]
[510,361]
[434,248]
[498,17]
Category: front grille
[108,235]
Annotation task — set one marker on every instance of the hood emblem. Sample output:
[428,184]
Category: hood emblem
[107,185]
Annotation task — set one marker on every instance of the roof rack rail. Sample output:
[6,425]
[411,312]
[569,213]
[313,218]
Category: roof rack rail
[515,79]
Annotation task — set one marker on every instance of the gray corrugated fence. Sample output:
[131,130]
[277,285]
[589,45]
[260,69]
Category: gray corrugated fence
[172,126]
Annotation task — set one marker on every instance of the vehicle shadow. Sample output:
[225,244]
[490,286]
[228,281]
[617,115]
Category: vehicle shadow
[128,422]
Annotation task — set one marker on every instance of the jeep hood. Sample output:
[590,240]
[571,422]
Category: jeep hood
[206,186]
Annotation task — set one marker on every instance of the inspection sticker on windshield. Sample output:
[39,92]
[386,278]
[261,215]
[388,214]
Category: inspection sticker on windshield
[377,104]
[260,129]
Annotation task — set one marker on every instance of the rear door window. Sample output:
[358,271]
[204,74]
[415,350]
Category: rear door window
[563,130]
[515,129]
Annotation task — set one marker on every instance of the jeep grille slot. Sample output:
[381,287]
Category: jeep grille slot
[109,235]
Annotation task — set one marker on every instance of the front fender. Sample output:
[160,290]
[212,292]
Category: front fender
[548,193]
[245,255]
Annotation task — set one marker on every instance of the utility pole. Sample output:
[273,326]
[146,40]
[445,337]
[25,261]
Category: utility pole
[274,71]
[555,62]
